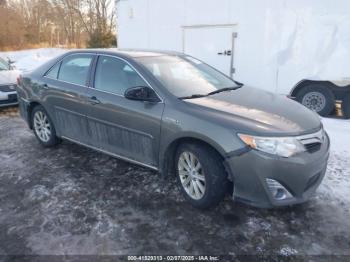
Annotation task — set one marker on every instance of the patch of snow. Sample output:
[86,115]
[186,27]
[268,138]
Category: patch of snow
[38,193]
[339,133]
[27,60]
[287,251]
[336,183]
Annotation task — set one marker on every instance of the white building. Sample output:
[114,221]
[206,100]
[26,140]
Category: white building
[272,44]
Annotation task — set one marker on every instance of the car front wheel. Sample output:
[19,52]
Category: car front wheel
[43,127]
[201,175]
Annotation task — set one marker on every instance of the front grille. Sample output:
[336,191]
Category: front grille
[313,147]
[312,142]
[8,88]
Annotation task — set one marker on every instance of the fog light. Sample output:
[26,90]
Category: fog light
[278,191]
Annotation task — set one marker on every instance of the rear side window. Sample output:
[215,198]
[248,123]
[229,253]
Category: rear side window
[115,76]
[53,71]
[75,69]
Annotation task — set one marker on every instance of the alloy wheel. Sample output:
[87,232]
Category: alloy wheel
[191,175]
[42,126]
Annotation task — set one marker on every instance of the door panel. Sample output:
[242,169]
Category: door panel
[212,44]
[67,101]
[68,107]
[120,126]
[124,127]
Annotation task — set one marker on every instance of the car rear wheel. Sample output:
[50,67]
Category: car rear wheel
[43,127]
[201,175]
[318,98]
[346,106]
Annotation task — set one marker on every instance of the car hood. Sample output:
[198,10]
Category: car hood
[259,112]
[8,77]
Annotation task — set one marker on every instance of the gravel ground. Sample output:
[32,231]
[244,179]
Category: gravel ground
[70,200]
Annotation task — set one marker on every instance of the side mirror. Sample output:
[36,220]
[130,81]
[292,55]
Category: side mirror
[141,93]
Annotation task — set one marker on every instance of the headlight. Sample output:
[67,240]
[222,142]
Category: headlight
[280,146]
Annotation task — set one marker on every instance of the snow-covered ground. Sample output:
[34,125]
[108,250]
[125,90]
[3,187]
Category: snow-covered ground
[339,132]
[337,180]
[71,200]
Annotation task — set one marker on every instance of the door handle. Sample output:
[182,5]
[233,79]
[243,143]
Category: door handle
[94,101]
[45,86]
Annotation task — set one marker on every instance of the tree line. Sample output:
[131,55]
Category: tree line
[62,23]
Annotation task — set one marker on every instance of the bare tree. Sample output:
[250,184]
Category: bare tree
[98,21]
[56,22]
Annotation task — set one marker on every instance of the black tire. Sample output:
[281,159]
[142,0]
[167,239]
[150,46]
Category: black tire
[346,106]
[53,139]
[324,91]
[216,182]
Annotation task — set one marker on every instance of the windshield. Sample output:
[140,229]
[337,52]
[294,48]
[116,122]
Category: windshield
[3,65]
[186,76]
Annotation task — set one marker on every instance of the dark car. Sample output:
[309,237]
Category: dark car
[175,114]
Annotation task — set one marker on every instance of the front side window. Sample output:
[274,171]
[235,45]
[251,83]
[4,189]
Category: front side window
[75,69]
[53,72]
[4,65]
[185,76]
[115,76]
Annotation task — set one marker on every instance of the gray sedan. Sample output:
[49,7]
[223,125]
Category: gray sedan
[177,115]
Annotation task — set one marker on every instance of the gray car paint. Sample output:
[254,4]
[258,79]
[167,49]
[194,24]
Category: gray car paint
[215,120]
[294,173]
[67,104]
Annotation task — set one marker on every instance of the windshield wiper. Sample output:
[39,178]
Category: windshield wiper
[192,96]
[212,93]
[223,90]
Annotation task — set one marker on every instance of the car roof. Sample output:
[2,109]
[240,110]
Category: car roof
[123,53]
[132,53]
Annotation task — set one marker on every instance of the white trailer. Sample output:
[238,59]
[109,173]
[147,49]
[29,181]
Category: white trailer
[298,48]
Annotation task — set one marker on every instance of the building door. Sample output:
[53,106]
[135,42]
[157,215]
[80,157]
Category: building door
[214,44]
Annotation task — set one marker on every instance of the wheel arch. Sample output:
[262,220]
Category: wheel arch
[167,156]
[30,107]
[306,82]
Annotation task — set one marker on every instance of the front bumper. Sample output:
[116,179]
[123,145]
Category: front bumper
[300,175]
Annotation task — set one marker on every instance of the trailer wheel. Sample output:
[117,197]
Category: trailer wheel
[346,106]
[318,98]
